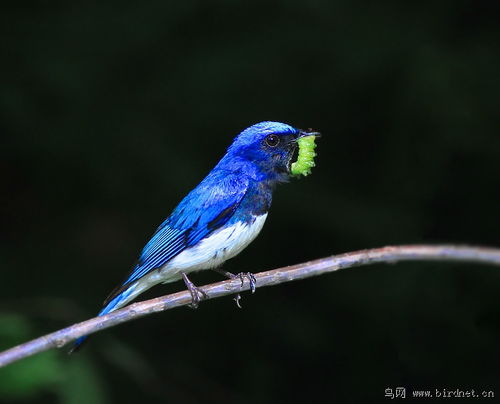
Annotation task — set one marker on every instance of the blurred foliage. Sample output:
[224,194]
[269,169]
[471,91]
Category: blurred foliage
[26,378]
[111,112]
[46,374]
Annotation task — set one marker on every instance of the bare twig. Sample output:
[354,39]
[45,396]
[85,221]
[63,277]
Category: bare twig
[274,277]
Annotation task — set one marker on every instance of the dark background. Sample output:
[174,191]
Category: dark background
[111,113]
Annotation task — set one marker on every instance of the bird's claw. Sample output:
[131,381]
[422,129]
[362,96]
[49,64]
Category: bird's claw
[237,299]
[241,276]
[251,279]
[197,294]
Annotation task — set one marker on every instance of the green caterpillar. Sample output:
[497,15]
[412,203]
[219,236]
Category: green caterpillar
[305,159]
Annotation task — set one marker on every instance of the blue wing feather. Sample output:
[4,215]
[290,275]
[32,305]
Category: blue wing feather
[208,207]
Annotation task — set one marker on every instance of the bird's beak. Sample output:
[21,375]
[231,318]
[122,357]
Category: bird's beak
[308,132]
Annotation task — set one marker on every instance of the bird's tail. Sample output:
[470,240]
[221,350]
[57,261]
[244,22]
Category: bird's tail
[115,303]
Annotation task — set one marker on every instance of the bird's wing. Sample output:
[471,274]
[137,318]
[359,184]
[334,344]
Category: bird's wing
[208,207]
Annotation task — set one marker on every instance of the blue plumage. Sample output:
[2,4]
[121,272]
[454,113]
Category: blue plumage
[219,218]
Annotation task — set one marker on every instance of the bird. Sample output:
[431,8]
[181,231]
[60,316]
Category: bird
[218,218]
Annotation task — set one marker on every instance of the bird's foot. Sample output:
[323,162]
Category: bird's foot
[197,295]
[241,276]
[251,279]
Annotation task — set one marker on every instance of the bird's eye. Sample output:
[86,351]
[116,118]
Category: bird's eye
[272,140]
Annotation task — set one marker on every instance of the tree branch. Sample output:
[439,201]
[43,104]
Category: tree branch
[269,278]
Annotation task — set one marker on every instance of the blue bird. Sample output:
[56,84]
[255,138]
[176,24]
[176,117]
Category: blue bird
[217,219]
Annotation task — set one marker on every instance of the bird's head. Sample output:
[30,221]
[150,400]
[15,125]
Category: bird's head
[266,148]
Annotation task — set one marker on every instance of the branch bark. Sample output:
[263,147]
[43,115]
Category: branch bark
[320,266]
